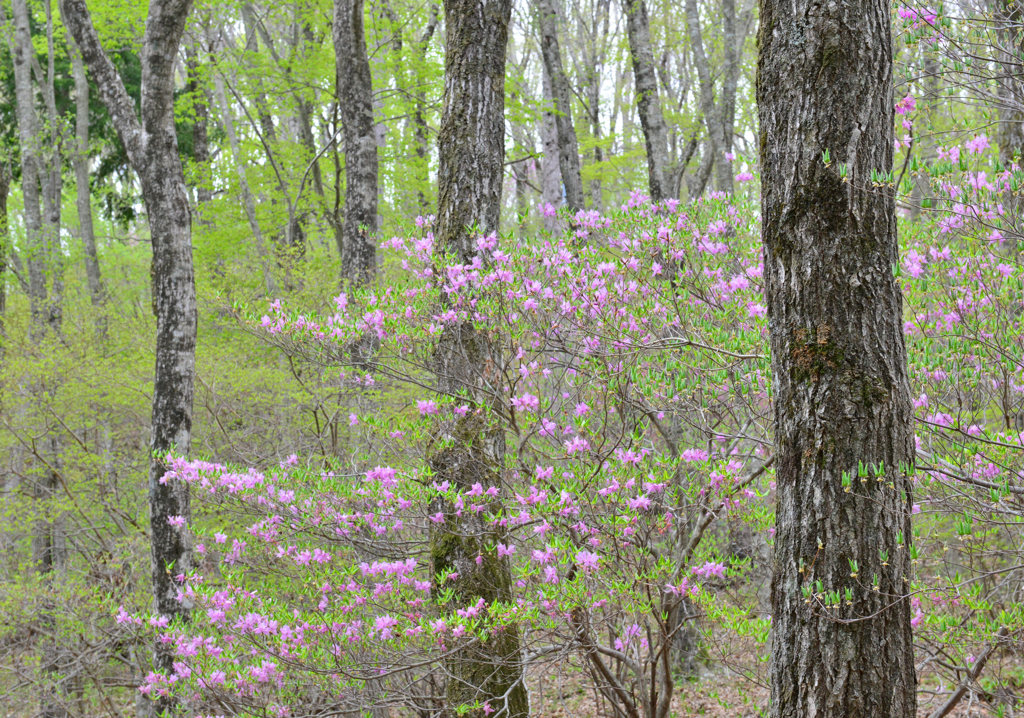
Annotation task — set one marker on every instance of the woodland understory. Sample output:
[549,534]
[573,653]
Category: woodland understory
[505,359]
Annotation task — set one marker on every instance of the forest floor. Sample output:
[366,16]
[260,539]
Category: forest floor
[721,688]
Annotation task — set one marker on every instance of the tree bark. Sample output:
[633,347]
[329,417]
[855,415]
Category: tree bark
[712,113]
[471,145]
[1009,17]
[732,46]
[652,121]
[550,172]
[33,166]
[152,149]
[355,103]
[568,147]
[839,364]
[419,116]
[194,53]
[83,203]
[5,250]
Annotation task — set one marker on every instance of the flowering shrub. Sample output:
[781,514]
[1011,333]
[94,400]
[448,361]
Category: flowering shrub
[632,397]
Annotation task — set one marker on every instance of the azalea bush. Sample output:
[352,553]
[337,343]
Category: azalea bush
[635,496]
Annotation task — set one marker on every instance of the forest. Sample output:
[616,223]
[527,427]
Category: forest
[534,359]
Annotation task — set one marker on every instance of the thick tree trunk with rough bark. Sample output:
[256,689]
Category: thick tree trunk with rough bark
[839,364]
[638,30]
[152,148]
[568,147]
[355,104]
[471,144]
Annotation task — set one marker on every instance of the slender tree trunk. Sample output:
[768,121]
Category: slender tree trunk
[550,172]
[1009,17]
[568,147]
[471,147]
[925,144]
[596,61]
[40,165]
[652,121]
[419,116]
[715,147]
[51,177]
[83,203]
[5,250]
[200,124]
[152,149]
[355,103]
[696,182]
[732,45]
[839,364]
[30,143]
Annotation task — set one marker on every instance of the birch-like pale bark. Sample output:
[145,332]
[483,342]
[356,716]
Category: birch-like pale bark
[152,147]
[839,364]
[652,121]
[561,98]
[471,145]
[355,104]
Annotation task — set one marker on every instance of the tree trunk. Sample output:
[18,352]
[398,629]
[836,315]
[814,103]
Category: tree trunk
[355,102]
[550,173]
[30,143]
[471,145]
[652,121]
[152,149]
[839,364]
[568,148]
[5,250]
[712,115]
[419,114]
[194,54]
[83,203]
[731,49]
[1009,16]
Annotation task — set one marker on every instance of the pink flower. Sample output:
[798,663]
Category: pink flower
[176,521]
[506,550]
[695,455]
[582,409]
[978,145]
[526,402]
[907,104]
[744,177]
[427,407]
[710,569]
[588,561]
